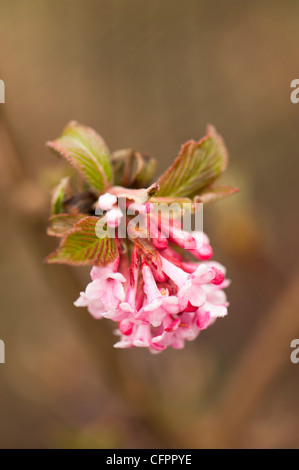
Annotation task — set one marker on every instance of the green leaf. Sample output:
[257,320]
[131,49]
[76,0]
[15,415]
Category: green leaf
[132,169]
[147,166]
[196,167]
[214,193]
[61,191]
[61,224]
[87,152]
[81,246]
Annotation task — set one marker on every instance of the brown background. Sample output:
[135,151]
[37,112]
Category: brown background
[150,75]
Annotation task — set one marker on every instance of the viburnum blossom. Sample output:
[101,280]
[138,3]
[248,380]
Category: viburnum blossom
[157,282]
[162,305]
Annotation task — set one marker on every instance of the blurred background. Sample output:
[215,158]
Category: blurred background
[151,75]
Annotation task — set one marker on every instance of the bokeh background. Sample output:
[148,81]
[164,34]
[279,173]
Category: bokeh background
[151,75]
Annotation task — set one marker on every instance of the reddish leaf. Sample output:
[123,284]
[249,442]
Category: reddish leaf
[132,169]
[81,246]
[214,193]
[61,224]
[197,166]
[87,152]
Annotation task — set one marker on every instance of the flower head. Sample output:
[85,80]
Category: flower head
[156,281]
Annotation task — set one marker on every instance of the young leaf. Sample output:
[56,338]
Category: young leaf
[146,168]
[214,193]
[61,191]
[197,166]
[81,246]
[132,169]
[61,224]
[87,152]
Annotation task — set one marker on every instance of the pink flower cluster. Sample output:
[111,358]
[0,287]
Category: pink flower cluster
[161,303]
